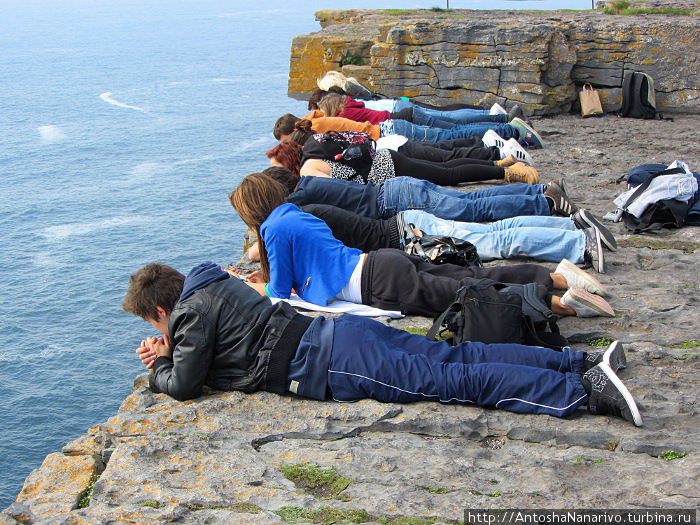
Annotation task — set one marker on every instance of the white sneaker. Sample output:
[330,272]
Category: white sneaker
[514,148]
[491,139]
[585,304]
[497,109]
[577,278]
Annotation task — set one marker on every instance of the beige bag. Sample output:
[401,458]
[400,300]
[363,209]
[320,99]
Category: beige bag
[590,101]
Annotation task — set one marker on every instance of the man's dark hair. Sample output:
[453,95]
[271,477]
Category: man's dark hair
[283,176]
[284,125]
[316,97]
[153,285]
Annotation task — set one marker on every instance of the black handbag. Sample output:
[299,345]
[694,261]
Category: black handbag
[439,249]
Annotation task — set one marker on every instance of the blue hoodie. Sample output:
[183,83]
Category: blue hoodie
[201,276]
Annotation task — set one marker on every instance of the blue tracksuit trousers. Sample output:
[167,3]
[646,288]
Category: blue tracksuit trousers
[372,360]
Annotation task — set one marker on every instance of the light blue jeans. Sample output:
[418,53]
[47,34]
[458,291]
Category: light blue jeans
[544,238]
[426,117]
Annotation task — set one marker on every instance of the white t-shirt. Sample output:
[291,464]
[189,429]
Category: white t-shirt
[392,142]
[352,291]
[385,104]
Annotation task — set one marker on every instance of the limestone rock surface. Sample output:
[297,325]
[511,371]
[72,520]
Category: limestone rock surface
[222,458]
[538,60]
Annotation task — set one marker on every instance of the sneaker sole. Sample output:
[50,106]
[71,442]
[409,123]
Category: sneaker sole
[600,263]
[634,410]
[537,143]
[594,302]
[589,279]
[605,234]
[615,357]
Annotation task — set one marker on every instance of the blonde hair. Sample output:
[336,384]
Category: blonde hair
[332,104]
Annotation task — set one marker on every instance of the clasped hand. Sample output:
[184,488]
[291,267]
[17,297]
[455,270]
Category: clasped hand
[152,348]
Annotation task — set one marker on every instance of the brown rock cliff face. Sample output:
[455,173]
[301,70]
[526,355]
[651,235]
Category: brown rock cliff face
[536,60]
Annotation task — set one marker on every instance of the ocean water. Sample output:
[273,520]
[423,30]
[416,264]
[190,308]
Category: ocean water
[123,126]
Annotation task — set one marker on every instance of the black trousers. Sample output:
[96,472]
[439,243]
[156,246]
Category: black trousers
[446,173]
[444,151]
[393,280]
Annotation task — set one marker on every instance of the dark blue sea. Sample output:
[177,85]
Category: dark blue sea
[123,126]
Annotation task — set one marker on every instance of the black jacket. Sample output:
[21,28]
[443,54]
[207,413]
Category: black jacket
[228,337]
[357,198]
[356,231]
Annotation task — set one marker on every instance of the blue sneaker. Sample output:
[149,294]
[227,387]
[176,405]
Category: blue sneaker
[528,135]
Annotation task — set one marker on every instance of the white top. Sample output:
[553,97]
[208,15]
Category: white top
[352,291]
[392,142]
[385,104]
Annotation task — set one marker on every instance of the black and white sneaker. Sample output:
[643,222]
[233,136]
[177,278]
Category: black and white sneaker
[614,356]
[585,219]
[561,204]
[607,395]
[593,253]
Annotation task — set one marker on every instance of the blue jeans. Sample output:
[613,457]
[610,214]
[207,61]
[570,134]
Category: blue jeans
[427,117]
[492,204]
[544,238]
[375,361]
[462,131]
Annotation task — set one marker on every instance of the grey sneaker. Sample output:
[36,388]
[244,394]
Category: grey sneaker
[585,304]
[561,204]
[593,253]
[577,278]
[607,395]
[516,112]
[614,356]
[585,219]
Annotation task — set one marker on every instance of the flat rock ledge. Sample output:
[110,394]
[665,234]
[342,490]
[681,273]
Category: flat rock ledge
[231,458]
[537,59]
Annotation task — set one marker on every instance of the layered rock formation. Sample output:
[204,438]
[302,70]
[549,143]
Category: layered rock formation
[253,459]
[538,60]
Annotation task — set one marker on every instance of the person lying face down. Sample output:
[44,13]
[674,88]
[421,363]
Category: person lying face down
[544,238]
[314,160]
[299,252]
[218,332]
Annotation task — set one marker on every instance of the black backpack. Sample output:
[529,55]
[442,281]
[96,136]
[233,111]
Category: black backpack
[638,96]
[351,148]
[491,312]
[666,213]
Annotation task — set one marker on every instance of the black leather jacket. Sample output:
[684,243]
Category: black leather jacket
[228,337]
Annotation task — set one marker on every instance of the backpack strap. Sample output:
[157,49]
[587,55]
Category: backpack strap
[626,95]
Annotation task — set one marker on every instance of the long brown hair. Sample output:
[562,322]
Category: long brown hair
[332,105]
[254,200]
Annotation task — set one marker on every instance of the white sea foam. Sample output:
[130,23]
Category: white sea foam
[234,14]
[148,170]
[51,134]
[63,231]
[256,143]
[107,97]
[222,80]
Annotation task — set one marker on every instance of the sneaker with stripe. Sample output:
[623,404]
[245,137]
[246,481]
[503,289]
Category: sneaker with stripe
[585,219]
[614,356]
[608,395]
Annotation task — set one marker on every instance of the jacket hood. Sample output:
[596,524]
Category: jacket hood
[201,276]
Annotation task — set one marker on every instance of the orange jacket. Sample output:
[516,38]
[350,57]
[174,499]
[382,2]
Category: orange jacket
[321,124]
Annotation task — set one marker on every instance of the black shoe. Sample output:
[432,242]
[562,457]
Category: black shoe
[607,395]
[561,205]
[516,112]
[614,356]
[585,219]
[593,254]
